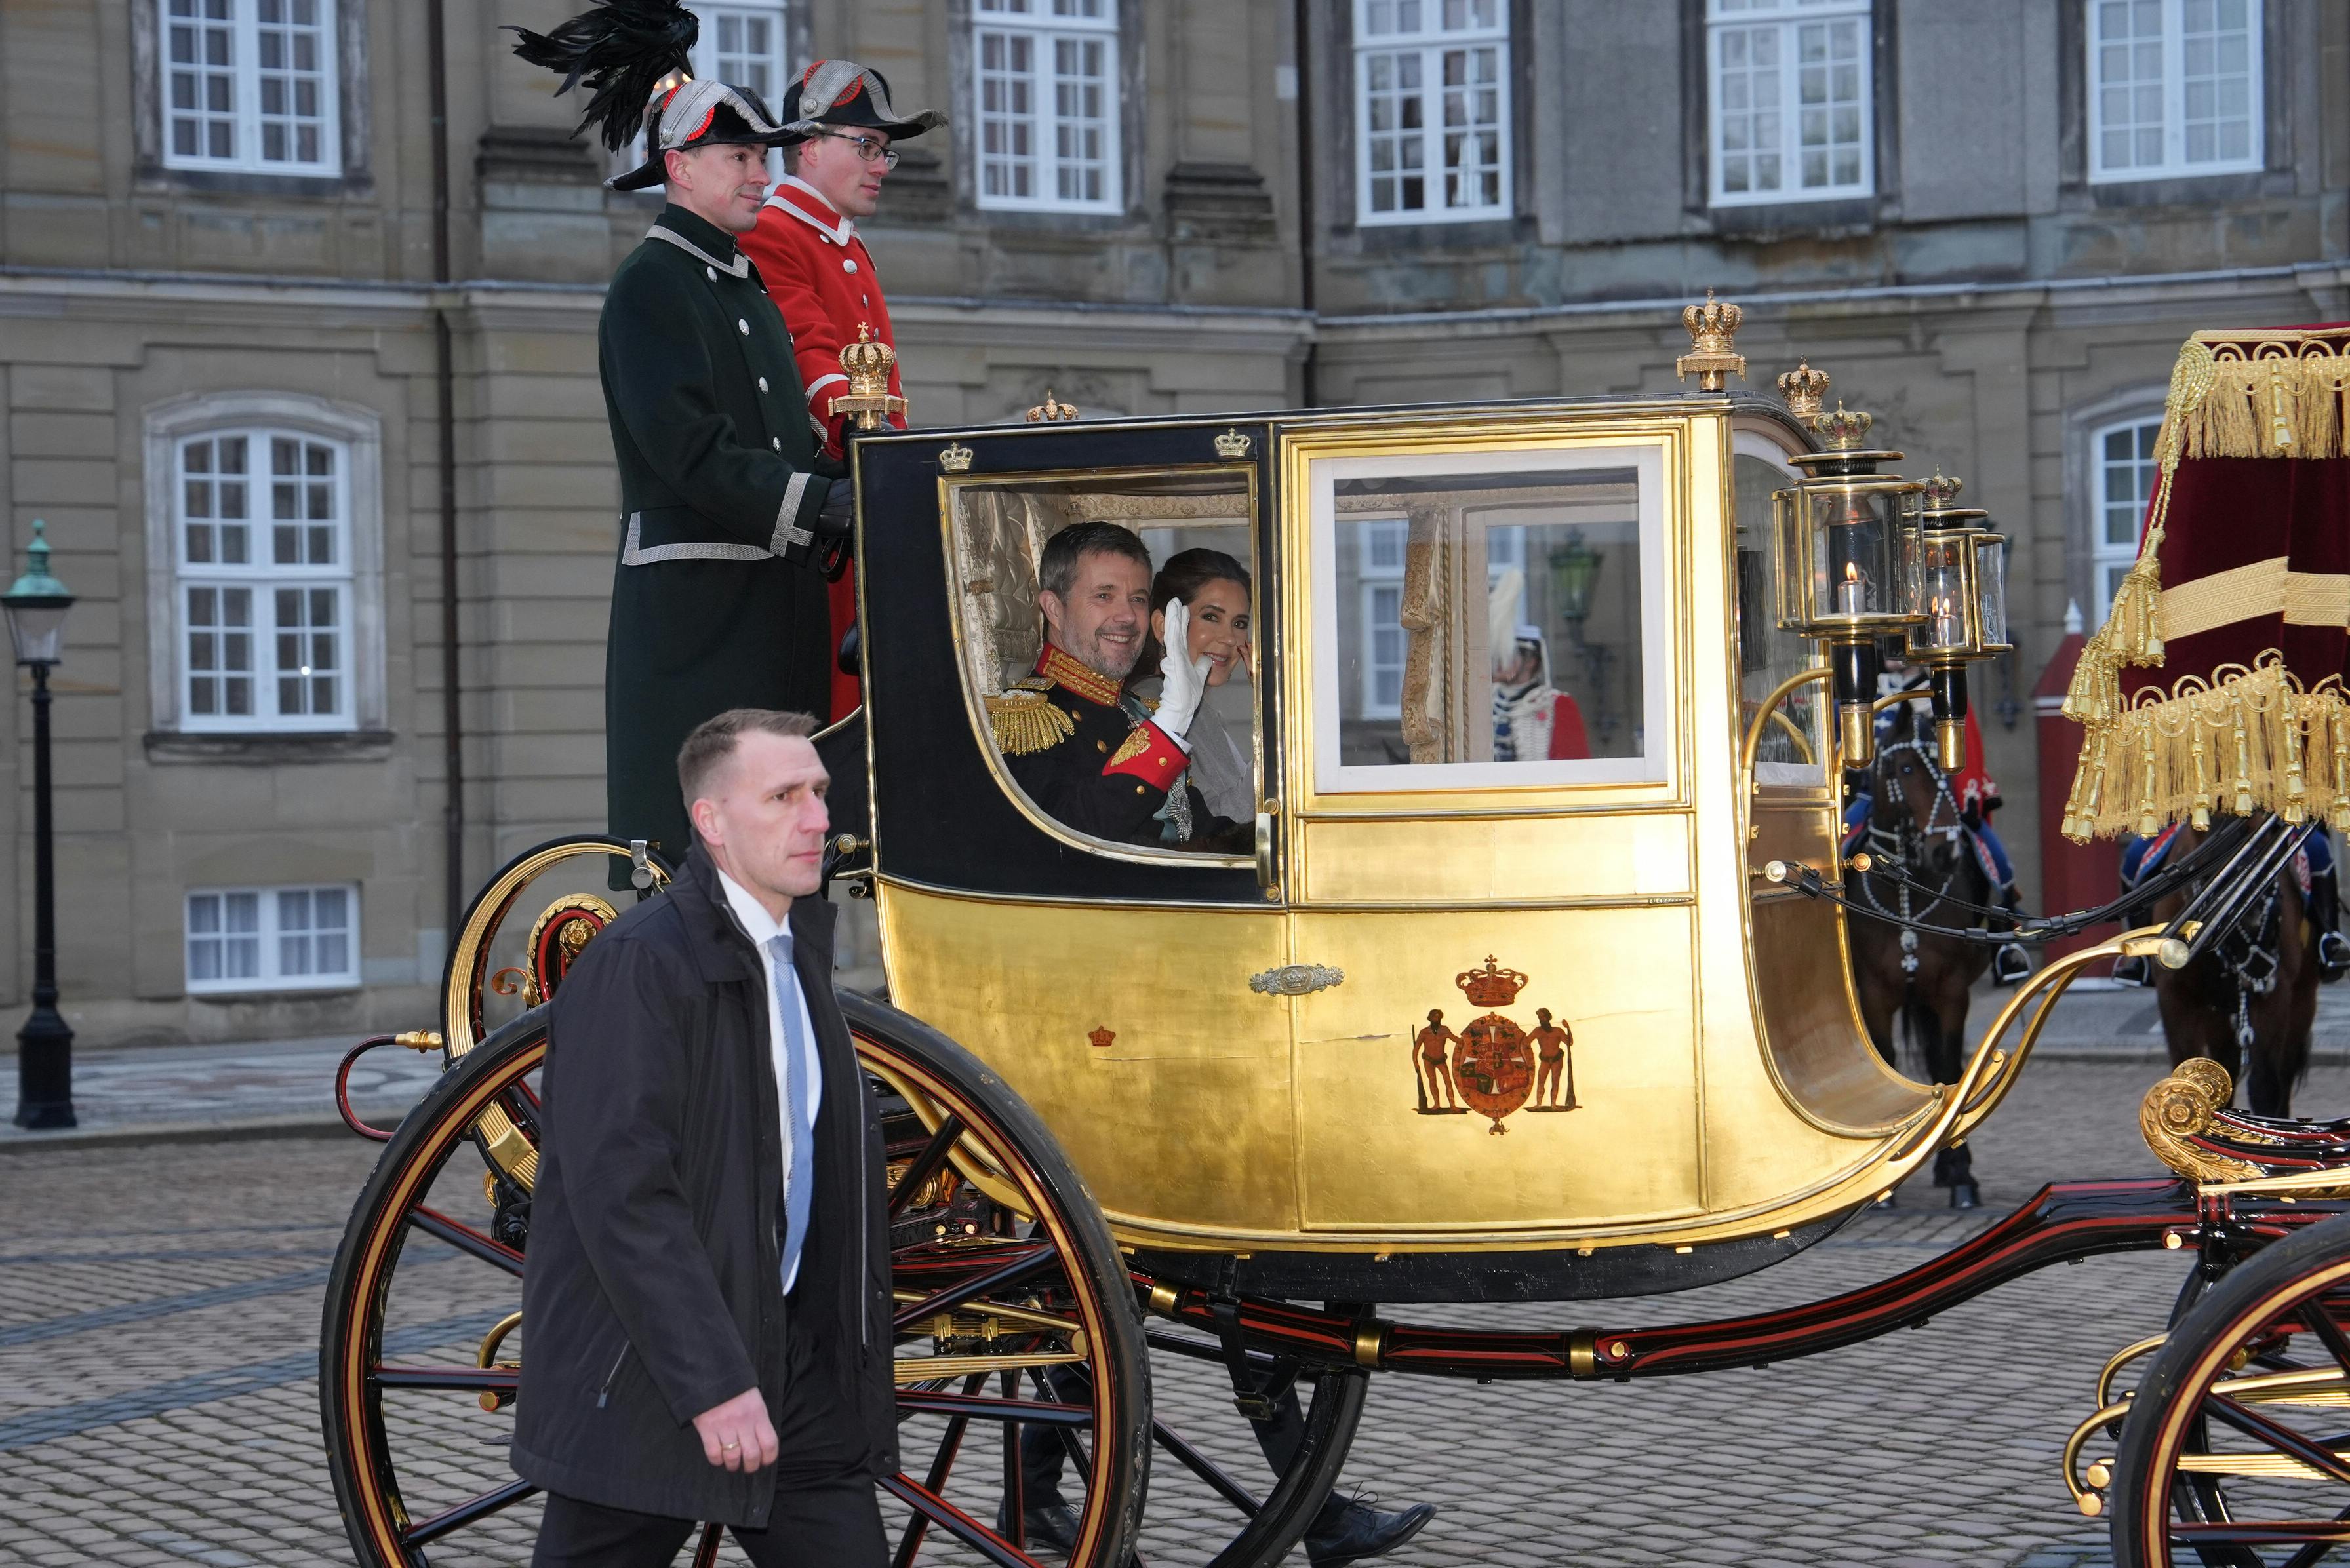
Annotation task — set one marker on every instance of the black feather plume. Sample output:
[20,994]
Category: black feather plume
[621,49]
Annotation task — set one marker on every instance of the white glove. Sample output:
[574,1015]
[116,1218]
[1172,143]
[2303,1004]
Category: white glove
[1182,677]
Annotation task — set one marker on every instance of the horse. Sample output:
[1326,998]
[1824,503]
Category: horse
[1919,978]
[2256,992]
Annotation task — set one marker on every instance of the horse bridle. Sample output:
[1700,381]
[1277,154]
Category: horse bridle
[1903,841]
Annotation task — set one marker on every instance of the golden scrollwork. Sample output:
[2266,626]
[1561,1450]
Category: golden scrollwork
[2180,1108]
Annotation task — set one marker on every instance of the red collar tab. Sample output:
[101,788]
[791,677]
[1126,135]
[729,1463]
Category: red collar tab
[1080,677]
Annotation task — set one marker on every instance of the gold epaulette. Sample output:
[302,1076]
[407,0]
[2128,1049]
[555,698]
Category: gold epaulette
[1026,721]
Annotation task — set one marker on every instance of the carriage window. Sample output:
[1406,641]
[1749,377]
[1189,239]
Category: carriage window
[1789,749]
[1498,618]
[1193,528]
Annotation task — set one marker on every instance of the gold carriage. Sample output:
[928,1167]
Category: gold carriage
[1534,986]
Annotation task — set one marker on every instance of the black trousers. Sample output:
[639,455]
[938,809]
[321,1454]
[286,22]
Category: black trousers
[811,1526]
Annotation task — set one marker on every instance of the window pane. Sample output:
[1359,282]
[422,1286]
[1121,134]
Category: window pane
[1546,666]
[291,84]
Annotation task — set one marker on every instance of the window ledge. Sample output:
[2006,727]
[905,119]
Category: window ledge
[339,987]
[269,750]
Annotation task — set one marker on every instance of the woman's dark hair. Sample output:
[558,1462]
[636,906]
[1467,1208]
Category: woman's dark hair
[1184,574]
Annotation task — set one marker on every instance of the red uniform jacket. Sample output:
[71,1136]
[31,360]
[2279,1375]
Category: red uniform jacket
[822,280]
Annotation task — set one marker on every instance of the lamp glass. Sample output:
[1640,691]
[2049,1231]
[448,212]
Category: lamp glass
[37,626]
[1573,567]
[1943,561]
[1991,589]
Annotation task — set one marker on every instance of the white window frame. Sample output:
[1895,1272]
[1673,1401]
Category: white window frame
[2105,558]
[268,937]
[1429,42]
[2175,163]
[358,432]
[1047,25]
[245,28]
[706,63]
[1374,579]
[1788,20]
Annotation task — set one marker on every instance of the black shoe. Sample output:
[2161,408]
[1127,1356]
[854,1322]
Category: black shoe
[1965,1195]
[2009,964]
[1054,1525]
[2333,956]
[1360,1531]
[2133,971]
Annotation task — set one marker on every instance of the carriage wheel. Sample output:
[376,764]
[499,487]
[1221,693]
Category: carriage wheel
[1003,1269]
[2235,1451]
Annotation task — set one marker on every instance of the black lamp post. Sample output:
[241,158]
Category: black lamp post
[36,605]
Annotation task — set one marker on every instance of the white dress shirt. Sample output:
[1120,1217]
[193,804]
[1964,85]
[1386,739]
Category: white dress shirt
[762,929]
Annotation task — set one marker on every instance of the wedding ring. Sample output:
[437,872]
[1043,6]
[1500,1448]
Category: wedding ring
[723,1447]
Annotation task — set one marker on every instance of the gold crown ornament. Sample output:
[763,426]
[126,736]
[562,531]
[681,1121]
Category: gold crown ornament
[955,458]
[1491,987]
[1845,430]
[866,363]
[1051,410]
[1804,388]
[1233,445]
[1711,327]
[1940,491]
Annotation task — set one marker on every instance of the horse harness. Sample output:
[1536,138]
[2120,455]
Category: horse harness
[1907,840]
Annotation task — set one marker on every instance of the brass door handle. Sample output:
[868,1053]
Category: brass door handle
[1268,877]
[1296,980]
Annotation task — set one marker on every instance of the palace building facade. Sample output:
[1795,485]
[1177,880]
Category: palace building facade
[298,299]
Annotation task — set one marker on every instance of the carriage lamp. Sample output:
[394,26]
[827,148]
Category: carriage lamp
[1962,575]
[1573,568]
[1846,538]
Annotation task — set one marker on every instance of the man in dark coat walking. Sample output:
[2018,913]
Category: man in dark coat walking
[727,505]
[708,1284]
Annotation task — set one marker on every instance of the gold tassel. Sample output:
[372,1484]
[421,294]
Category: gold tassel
[2148,822]
[2296,787]
[2200,811]
[2243,754]
[2341,767]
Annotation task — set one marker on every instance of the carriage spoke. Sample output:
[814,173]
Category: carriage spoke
[705,1555]
[1019,1269]
[2283,1439]
[1207,1470]
[466,1512]
[918,1528]
[466,1239]
[2308,1556]
[926,1164]
[957,1523]
[2329,1333]
[471,1379]
[1016,1500]
[989,1407]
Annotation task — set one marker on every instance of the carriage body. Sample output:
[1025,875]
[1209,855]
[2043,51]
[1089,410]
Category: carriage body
[1230,1047]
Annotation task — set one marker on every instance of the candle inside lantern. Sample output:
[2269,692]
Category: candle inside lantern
[1947,630]
[1852,593]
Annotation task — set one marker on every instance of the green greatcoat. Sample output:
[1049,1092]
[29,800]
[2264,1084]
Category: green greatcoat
[717,601]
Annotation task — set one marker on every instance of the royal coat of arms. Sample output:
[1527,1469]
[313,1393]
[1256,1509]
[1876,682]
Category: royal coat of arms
[1492,1066]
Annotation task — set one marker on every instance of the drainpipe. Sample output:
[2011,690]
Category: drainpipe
[1307,371]
[452,731]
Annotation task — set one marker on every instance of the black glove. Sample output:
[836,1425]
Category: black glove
[838,518]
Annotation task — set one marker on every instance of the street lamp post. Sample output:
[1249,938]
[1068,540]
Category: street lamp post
[36,605]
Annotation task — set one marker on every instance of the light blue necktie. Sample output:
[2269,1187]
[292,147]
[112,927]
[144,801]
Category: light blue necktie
[799,1179]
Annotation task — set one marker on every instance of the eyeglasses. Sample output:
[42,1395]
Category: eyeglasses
[870,150]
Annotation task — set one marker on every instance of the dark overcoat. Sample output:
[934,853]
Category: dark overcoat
[652,1287]
[717,599]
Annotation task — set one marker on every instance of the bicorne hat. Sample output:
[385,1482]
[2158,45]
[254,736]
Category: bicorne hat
[634,55]
[841,95]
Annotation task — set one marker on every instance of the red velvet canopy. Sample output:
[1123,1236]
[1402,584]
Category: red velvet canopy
[2217,683]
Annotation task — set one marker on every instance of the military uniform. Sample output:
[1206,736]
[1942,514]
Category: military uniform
[1090,756]
[717,601]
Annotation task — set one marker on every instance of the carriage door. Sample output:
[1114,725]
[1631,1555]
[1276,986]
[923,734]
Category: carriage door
[1104,974]
[1490,841]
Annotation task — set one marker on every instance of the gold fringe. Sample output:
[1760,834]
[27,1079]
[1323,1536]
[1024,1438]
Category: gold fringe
[2277,747]
[1025,722]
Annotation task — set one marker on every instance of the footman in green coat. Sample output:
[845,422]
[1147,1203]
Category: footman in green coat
[728,510]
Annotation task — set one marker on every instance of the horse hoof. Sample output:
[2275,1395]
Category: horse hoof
[1966,1195]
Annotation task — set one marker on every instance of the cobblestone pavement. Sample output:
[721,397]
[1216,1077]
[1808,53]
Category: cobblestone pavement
[159,1309]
